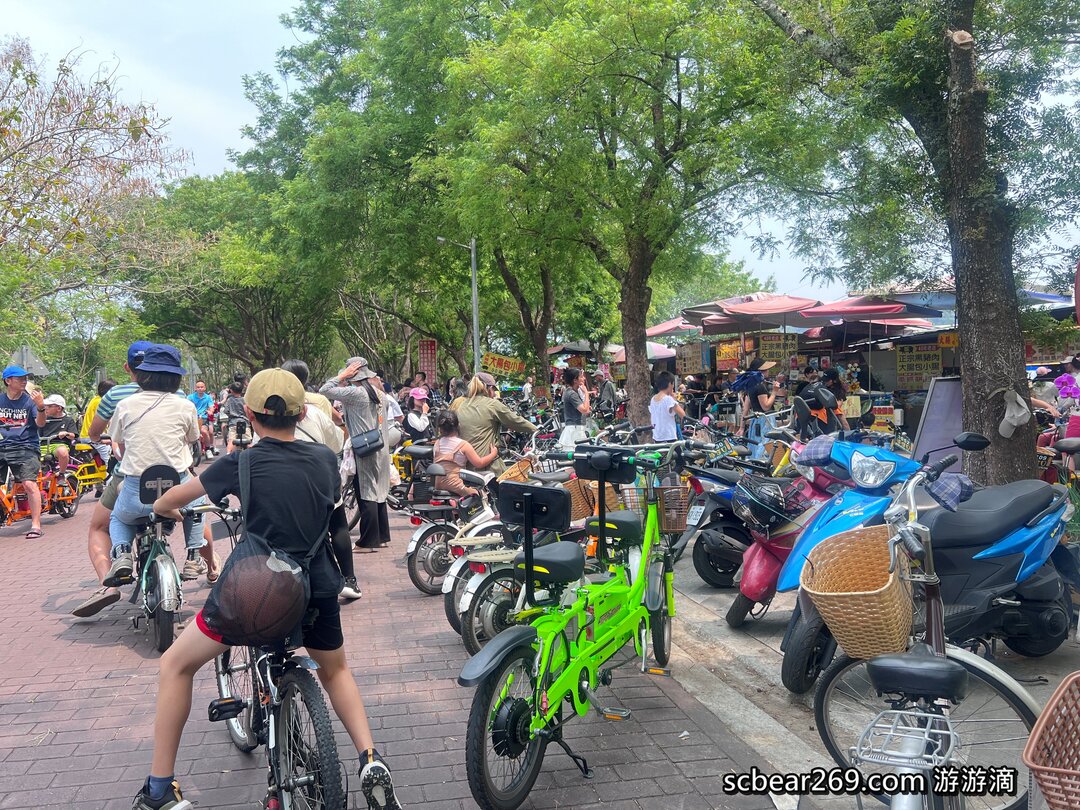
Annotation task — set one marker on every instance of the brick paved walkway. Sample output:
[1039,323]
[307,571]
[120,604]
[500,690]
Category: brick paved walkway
[77,700]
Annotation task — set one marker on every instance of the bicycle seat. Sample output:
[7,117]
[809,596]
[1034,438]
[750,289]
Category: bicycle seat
[83,448]
[1068,447]
[716,474]
[419,452]
[557,477]
[558,562]
[918,673]
[623,524]
[989,514]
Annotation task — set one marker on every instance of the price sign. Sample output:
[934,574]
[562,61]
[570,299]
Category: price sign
[916,366]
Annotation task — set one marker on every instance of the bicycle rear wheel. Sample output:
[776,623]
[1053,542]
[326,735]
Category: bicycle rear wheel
[234,673]
[489,612]
[993,723]
[501,760]
[308,763]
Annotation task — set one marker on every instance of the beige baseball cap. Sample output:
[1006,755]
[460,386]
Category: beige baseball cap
[275,382]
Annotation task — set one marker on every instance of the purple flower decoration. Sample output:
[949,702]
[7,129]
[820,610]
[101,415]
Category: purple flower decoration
[1065,380]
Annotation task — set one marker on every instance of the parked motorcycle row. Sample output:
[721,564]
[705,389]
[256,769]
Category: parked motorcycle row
[750,526]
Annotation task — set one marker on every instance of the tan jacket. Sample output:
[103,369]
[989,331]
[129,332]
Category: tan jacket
[481,419]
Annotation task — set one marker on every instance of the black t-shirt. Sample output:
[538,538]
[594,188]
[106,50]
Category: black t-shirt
[294,486]
[762,389]
[62,424]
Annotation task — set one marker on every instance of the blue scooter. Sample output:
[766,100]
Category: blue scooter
[998,578]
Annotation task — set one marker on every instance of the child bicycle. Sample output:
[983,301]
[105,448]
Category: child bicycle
[529,673]
[268,697]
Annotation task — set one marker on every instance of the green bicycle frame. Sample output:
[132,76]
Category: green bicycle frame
[575,641]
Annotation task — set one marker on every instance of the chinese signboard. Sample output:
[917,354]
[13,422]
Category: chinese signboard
[688,359]
[499,364]
[1042,356]
[916,366]
[778,346]
[618,371]
[429,353]
[948,340]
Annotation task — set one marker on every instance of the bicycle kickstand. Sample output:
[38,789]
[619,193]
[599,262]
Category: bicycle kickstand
[579,760]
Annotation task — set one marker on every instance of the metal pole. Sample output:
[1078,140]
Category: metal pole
[475,310]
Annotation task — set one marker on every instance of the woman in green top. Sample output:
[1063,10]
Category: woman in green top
[482,417]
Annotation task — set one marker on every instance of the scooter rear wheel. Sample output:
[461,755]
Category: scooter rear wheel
[715,571]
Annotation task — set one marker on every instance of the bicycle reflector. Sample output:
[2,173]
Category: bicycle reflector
[477,567]
[416,521]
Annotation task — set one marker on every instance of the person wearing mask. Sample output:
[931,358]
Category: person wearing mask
[365,411]
[455,454]
[22,415]
[576,406]
[605,398]
[417,424]
[664,408]
[482,416]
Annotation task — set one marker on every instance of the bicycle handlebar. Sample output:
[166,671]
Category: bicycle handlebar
[222,509]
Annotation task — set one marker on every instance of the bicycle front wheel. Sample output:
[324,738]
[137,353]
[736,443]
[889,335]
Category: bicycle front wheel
[234,674]
[501,760]
[307,756]
[993,723]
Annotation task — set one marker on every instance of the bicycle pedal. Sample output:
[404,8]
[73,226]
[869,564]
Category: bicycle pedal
[226,708]
[607,713]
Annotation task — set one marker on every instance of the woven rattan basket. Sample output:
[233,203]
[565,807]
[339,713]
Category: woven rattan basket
[612,503]
[1052,752]
[581,501]
[518,471]
[867,609]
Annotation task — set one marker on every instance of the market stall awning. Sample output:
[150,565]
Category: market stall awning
[868,308]
[676,327]
[773,306]
[760,310]
[654,351]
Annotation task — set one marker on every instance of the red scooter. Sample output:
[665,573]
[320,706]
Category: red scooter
[775,510]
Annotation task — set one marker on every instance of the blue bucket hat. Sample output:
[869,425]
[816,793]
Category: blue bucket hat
[163,358]
[15,371]
[136,351]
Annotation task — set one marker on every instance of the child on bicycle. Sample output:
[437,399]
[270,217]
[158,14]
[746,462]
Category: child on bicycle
[274,403]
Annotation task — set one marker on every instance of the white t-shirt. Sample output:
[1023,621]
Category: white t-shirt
[526,392]
[393,410]
[663,418]
[154,428]
[316,426]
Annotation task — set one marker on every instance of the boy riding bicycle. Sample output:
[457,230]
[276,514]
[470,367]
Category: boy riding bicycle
[274,403]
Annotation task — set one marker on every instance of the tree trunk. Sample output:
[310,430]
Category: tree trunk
[981,229]
[634,299]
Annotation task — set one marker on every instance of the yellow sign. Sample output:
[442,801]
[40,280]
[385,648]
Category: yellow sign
[916,366]
[500,364]
[778,346]
[948,340]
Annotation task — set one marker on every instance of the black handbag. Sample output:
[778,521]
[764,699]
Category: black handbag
[370,441]
[262,594]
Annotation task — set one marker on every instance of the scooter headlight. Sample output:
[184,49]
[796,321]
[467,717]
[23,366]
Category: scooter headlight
[870,472]
[806,472]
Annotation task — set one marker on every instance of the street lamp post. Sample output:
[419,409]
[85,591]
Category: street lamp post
[471,247]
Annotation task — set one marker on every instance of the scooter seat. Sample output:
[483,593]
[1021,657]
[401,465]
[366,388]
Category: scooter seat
[558,562]
[918,673]
[716,474]
[623,524]
[419,452]
[1068,447]
[557,477]
[989,514]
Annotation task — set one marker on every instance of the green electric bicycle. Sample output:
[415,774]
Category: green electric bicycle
[561,649]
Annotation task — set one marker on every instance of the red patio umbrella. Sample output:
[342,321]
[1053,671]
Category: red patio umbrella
[676,327]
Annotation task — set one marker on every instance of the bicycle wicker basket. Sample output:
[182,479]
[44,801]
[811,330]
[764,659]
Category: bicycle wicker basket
[518,471]
[867,609]
[581,501]
[1052,753]
[673,502]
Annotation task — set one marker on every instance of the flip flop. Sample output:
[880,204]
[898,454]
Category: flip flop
[33,534]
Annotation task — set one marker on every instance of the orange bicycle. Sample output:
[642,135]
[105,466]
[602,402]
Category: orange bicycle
[60,494]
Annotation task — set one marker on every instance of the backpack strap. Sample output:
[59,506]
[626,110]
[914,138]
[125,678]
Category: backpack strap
[245,484]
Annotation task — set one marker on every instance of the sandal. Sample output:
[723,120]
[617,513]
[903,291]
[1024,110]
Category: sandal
[33,534]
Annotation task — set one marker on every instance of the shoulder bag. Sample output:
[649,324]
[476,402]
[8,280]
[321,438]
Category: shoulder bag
[370,441]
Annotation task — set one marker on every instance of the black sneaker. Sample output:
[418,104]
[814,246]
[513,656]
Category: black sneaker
[172,800]
[376,783]
[350,590]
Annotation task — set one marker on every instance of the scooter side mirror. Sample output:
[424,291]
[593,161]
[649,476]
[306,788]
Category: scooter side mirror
[972,442]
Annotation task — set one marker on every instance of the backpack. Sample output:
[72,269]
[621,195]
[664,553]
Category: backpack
[262,594]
